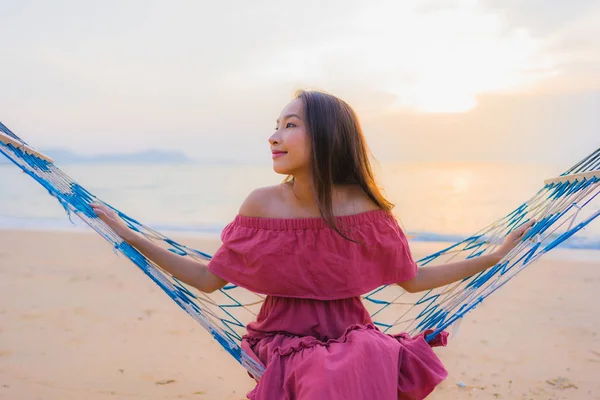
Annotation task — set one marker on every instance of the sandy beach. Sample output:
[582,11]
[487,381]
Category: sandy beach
[79,322]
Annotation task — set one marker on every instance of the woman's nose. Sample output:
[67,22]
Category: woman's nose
[274,139]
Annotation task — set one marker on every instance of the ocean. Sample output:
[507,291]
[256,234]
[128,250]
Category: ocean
[434,202]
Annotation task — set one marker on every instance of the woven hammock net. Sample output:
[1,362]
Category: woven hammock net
[563,207]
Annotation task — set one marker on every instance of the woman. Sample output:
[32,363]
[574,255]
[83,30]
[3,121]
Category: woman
[313,245]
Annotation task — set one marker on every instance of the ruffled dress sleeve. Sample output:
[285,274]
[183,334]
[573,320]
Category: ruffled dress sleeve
[305,258]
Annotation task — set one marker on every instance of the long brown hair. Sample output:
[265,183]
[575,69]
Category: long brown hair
[339,152]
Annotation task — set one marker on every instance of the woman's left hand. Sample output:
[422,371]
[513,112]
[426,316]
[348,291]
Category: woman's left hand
[513,239]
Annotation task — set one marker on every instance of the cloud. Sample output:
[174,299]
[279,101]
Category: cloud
[434,58]
[557,129]
[570,34]
[181,74]
[541,17]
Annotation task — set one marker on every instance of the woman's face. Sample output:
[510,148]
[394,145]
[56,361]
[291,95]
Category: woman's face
[290,143]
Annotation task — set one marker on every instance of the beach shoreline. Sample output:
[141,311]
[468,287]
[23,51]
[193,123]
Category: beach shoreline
[422,247]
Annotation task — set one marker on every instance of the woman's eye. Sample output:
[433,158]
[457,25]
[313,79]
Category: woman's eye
[290,125]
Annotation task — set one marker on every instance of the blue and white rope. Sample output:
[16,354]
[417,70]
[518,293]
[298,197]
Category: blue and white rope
[561,208]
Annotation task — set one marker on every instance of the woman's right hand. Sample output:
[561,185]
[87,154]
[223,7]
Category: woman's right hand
[114,222]
[513,239]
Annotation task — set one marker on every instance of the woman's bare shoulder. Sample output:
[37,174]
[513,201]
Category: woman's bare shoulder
[260,201]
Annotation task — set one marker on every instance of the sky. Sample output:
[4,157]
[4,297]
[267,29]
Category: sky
[431,80]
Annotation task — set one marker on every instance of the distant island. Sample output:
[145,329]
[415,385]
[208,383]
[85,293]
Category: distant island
[64,156]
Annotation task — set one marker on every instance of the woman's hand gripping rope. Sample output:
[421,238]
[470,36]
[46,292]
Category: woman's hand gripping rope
[513,239]
[114,222]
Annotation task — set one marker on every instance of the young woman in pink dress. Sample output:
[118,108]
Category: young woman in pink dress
[313,245]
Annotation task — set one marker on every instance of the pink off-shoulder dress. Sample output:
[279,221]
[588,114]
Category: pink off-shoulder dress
[313,334]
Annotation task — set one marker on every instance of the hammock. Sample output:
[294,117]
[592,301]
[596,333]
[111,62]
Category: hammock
[563,206]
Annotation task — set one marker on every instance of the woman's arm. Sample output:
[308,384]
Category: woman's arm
[440,275]
[192,272]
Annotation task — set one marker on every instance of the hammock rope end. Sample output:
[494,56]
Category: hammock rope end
[7,140]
